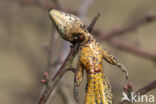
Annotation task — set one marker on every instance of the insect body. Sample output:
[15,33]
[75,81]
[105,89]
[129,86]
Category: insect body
[91,55]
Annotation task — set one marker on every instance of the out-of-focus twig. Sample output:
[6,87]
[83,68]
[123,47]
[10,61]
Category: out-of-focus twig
[131,49]
[128,89]
[147,88]
[51,50]
[84,8]
[45,4]
[51,67]
[123,46]
[67,65]
[122,31]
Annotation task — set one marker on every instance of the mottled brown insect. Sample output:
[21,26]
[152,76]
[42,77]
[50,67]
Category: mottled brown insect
[91,55]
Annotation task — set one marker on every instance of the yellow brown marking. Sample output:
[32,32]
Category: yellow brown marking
[91,55]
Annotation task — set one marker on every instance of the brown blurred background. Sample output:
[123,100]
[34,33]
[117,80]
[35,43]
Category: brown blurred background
[26,29]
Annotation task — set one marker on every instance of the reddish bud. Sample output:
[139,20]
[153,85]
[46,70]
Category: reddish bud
[45,75]
[130,85]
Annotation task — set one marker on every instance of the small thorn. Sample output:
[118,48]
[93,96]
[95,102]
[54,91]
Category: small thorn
[90,27]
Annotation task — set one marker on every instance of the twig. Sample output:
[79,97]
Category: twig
[65,67]
[51,50]
[123,46]
[118,32]
[84,8]
[142,91]
[45,4]
[147,88]
[68,61]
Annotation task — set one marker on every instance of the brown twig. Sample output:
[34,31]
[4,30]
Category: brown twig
[51,50]
[128,48]
[84,8]
[67,65]
[128,89]
[123,46]
[118,32]
[147,88]
[45,4]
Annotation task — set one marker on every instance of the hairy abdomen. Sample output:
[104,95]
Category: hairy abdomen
[98,89]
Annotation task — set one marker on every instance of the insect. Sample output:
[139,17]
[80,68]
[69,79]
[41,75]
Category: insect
[91,55]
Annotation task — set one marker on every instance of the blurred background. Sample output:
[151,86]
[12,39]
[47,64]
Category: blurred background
[26,32]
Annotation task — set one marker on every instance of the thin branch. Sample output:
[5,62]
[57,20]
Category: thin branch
[128,48]
[118,32]
[67,65]
[50,87]
[147,88]
[45,4]
[123,46]
[84,8]
[128,89]
[58,4]
[68,61]
[51,50]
